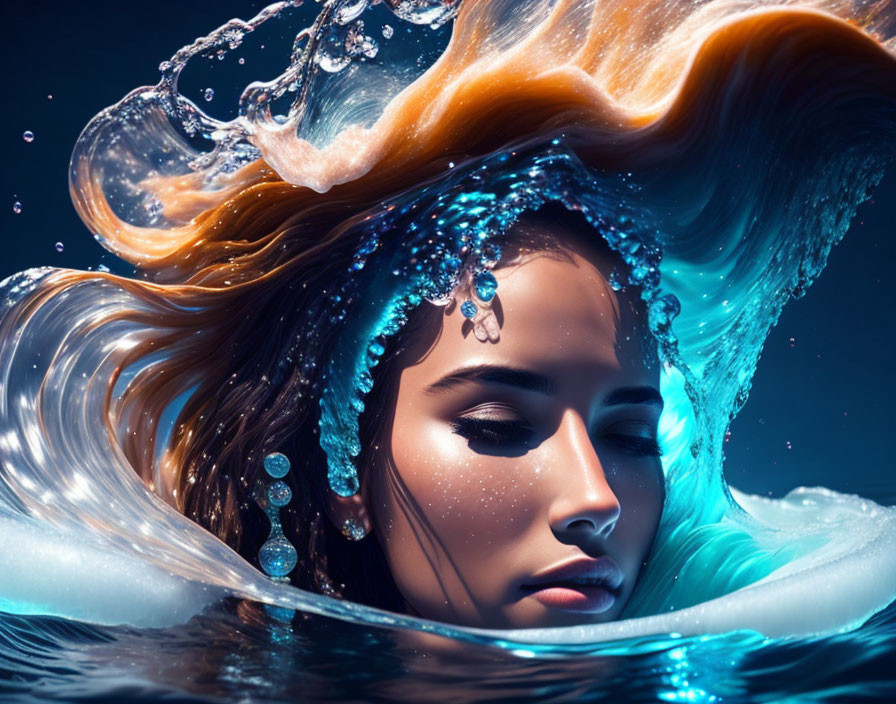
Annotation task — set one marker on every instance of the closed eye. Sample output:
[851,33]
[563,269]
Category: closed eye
[632,438]
[633,444]
[493,431]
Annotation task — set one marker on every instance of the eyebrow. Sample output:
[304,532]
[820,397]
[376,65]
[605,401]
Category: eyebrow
[493,374]
[635,394]
[533,381]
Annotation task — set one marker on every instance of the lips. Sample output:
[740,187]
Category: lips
[583,584]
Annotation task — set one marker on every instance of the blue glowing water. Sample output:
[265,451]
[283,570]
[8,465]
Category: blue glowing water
[223,656]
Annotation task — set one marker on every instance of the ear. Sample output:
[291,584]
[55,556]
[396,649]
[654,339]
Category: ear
[350,515]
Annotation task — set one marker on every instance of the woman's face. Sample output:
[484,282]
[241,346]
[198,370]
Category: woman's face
[523,486]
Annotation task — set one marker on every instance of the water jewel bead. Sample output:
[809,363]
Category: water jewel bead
[279,494]
[277,556]
[353,530]
[468,309]
[486,285]
[276,465]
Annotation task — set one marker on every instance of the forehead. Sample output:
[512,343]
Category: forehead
[558,316]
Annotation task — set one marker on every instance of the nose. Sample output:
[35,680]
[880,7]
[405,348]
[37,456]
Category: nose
[585,507]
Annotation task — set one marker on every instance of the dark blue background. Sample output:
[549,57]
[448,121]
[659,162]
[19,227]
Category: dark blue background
[830,394]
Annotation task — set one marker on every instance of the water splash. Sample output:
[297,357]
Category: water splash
[736,245]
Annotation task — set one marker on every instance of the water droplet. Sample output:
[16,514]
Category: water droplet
[350,10]
[241,61]
[727,435]
[59,246]
[49,97]
[359,44]
[277,556]
[388,31]
[208,94]
[468,309]
[486,285]
[331,62]
[279,493]
[276,464]
[615,280]
[17,207]
[793,342]
[789,446]
[28,136]
[432,12]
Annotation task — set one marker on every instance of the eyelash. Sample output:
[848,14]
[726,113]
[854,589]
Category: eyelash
[491,431]
[635,444]
[497,433]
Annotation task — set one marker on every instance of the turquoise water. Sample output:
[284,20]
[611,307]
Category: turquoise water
[220,657]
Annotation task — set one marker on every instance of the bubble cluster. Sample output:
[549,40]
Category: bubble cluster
[343,43]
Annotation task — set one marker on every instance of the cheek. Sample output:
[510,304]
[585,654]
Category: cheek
[640,488]
[464,497]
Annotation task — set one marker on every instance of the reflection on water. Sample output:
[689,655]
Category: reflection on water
[236,652]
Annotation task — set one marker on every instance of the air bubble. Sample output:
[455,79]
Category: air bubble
[208,94]
[59,246]
[28,136]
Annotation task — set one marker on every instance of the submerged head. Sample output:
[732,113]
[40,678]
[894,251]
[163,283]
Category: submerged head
[517,483]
